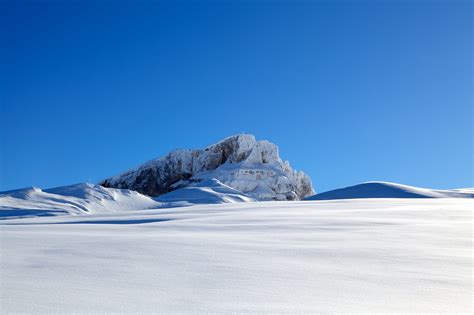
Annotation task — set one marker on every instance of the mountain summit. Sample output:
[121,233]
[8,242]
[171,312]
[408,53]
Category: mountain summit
[241,162]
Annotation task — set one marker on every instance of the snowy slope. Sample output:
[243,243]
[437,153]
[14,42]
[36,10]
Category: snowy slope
[390,190]
[89,199]
[346,256]
[206,192]
[74,200]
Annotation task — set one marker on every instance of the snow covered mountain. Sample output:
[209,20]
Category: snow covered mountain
[390,190]
[241,162]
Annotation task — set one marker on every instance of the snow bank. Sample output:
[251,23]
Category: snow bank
[89,199]
[206,192]
[73,200]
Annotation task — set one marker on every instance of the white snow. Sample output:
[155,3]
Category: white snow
[89,199]
[390,190]
[209,191]
[73,200]
[364,255]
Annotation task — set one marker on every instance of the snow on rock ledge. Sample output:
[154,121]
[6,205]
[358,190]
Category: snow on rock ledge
[252,167]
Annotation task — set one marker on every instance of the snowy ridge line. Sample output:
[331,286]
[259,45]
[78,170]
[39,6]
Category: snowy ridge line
[76,199]
[94,199]
[379,189]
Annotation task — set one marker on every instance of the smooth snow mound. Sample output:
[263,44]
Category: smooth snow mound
[390,190]
[73,200]
[206,192]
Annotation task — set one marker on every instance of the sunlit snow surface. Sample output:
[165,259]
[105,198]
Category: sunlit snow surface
[364,255]
[94,199]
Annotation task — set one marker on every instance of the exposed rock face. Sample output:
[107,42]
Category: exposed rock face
[252,167]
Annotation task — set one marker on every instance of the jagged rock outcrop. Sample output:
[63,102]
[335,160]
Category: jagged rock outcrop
[252,167]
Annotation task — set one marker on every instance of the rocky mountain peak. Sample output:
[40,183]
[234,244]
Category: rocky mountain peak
[240,161]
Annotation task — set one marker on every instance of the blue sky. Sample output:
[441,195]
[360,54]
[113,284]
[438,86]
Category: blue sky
[350,91]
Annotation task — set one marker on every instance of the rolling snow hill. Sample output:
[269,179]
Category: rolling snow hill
[390,190]
[206,192]
[73,200]
[92,199]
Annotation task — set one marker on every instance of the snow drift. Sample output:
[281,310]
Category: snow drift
[252,167]
[72,200]
[390,190]
[206,192]
[92,199]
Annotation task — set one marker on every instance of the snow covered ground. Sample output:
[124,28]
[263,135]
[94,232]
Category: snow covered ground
[364,255]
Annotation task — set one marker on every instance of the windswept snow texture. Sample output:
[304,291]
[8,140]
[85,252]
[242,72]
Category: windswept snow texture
[346,256]
[390,190]
[74,199]
[241,162]
[89,199]
[206,192]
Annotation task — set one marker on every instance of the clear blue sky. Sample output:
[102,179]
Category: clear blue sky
[350,91]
